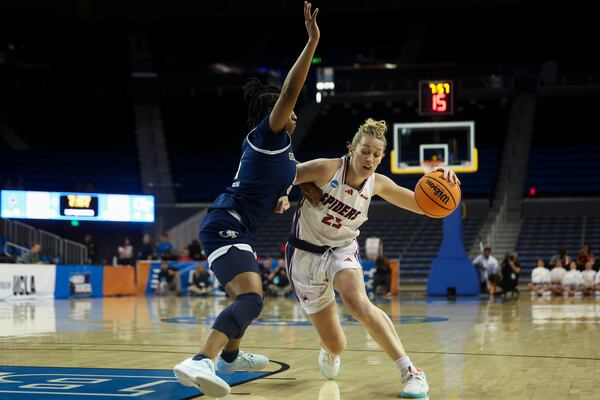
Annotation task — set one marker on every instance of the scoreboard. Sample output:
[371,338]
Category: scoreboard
[436,97]
[76,206]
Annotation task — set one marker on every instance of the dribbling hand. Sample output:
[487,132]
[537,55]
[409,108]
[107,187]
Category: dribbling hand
[449,175]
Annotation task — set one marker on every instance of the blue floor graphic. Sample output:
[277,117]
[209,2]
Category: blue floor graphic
[20,383]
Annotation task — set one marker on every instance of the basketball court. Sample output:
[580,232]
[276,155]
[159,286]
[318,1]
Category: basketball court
[525,348]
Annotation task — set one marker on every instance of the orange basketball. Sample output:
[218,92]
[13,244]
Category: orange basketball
[437,197]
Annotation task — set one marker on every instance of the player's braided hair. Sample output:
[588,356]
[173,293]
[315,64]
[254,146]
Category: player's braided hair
[261,100]
[377,129]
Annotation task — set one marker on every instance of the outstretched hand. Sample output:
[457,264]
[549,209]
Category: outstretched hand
[310,20]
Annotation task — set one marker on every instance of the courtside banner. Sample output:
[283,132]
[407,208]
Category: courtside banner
[25,281]
[78,281]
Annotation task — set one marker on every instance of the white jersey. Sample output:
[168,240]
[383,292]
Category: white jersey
[540,275]
[573,277]
[589,276]
[342,210]
[556,274]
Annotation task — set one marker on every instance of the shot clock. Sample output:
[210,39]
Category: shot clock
[436,97]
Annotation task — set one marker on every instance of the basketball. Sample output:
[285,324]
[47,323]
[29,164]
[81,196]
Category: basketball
[437,197]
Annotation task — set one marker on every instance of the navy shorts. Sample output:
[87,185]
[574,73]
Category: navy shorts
[218,232]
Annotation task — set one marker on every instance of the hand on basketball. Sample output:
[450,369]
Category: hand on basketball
[283,204]
[310,20]
[449,175]
[311,192]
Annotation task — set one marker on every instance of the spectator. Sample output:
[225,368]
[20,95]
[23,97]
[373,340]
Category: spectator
[279,283]
[540,279]
[597,284]
[573,280]
[196,250]
[556,275]
[489,269]
[164,247]
[201,282]
[589,277]
[147,252]
[125,253]
[185,255]
[33,257]
[585,255]
[91,248]
[511,271]
[382,278]
[562,256]
[169,280]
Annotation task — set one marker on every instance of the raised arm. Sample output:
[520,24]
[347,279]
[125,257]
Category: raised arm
[297,75]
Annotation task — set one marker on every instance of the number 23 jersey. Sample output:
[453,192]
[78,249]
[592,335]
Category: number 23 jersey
[341,211]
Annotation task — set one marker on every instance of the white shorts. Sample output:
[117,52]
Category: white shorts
[311,275]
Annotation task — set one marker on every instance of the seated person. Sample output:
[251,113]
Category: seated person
[125,253]
[540,279]
[584,256]
[573,280]
[164,247]
[196,250]
[597,284]
[33,257]
[382,278]
[279,283]
[556,275]
[169,280]
[185,255]
[562,256]
[201,283]
[589,277]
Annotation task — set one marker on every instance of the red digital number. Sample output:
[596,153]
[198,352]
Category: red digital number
[438,102]
[327,221]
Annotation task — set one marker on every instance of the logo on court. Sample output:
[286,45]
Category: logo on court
[229,234]
[100,383]
[334,183]
[300,320]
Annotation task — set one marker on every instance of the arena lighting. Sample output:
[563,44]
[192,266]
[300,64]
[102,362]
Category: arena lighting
[532,191]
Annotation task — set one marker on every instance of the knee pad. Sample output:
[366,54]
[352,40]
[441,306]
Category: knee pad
[234,320]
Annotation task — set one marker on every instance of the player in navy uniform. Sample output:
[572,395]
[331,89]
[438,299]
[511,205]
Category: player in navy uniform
[264,178]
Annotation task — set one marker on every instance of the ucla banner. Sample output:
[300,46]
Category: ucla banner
[25,281]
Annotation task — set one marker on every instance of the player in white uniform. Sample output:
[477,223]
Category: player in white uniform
[322,253]
[540,279]
[589,277]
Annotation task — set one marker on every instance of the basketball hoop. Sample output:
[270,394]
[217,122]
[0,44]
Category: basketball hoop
[430,165]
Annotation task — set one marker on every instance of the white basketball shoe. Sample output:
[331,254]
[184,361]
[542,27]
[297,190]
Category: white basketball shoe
[201,374]
[329,364]
[243,362]
[415,384]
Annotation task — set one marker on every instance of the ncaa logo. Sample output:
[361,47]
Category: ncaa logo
[229,234]
[334,183]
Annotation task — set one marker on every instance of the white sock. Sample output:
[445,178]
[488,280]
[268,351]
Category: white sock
[403,363]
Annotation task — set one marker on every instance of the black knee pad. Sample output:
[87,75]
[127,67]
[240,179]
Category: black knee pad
[234,320]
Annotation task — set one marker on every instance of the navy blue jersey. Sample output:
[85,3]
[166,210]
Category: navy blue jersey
[266,172]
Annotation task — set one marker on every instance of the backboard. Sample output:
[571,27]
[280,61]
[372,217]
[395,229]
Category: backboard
[420,146]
